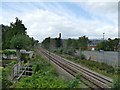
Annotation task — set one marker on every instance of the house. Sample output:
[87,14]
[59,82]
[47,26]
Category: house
[93,43]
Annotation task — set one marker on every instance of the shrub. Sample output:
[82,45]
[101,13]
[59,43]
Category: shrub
[110,69]
[75,82]
[25,57]
[116,83]
[37,68]
[82,57]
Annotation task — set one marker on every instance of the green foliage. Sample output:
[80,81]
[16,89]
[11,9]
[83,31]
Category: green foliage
[46,43]
[81,57]
[118,70]
[58,42]
[41,80]
[58,50]
[93,65]
[83,42]
[10,32]
[25,57]
[72,44]
[37,68]
[44,77]
[109,45]
[6,83]
[7,52]
[75,83]
[69,43]
[116,83]
[20,42]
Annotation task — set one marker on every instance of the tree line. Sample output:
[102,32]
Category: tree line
[81,43]
[109,45]
[15,37]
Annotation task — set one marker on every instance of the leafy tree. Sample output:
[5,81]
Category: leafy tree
[10,31]
[75,44]
[58,42]
[109,45]
[20,42]
[18,27]
[69,43]
[83,42]
[46,43]
[6,36]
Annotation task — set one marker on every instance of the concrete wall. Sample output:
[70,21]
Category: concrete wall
[109,57]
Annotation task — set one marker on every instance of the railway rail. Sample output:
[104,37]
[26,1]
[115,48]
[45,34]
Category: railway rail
[93,80]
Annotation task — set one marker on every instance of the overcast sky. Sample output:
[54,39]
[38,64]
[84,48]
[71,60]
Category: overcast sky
[72,19]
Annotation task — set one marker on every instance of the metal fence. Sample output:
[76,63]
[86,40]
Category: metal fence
[108,57]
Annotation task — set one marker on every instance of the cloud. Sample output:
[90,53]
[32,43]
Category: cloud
[48,19]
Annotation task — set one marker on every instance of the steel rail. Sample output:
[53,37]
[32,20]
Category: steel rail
[73,69]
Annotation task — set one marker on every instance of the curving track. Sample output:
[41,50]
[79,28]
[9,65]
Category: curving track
[92,79]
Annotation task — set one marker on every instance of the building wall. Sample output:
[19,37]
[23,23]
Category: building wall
[90,47]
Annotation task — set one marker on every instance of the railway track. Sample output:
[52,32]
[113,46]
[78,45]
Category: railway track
[91,79]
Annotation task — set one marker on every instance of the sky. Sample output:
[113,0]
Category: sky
[72,19]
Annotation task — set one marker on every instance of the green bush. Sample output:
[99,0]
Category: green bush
[7,52]
[6,83]
[116,83]
[25,58]
[118,70]
[37,68]
[82,57]
[44,77]
[75,82]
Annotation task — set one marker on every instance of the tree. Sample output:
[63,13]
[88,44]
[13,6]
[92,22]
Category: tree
[46,43]
[6,36]
[9,31]
[58,42]
[75,44]
[109,45]
[20,42]
[83,42]
[69,43]
[18,27]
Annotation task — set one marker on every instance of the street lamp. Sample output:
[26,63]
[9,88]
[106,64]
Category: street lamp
[103,48]
[103,36]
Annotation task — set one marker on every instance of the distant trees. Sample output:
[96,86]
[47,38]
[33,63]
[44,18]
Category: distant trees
[58,42]
[109,45]
[46,43]
[71,44]
[83,42]
[80,43]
